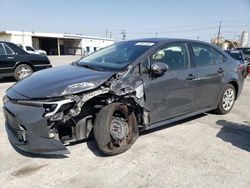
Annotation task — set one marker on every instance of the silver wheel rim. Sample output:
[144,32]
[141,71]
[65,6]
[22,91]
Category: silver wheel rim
[119,129]
[228,99]
[23,72]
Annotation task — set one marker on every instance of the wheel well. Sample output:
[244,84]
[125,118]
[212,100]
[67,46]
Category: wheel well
[102,101]
[236,87]
[26,63]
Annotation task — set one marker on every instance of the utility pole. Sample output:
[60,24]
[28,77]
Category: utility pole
[123,33]
[23,37]
[156,35]
[218,38]
[106,33]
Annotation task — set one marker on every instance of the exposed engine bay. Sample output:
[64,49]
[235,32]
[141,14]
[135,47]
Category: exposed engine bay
[71,118]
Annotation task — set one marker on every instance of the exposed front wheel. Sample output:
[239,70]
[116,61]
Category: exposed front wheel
[22,71]
[227,100]
[115,129]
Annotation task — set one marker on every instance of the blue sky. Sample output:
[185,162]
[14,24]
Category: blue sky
[140,18]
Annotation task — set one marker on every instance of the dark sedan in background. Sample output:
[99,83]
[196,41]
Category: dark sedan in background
[16,62]
[239,56]
[246,52]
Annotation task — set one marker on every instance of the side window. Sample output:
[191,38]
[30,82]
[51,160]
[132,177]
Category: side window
[174,55]
[218,57]
[8,50]
[2,51]
[203,54]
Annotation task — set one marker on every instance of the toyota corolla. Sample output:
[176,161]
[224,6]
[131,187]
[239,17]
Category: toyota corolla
[118,91]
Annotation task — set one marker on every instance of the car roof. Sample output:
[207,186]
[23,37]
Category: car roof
[6,42]
[14,47]
[233,51]
[158,40]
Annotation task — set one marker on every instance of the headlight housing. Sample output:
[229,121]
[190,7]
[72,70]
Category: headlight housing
[78,87]
[51,107]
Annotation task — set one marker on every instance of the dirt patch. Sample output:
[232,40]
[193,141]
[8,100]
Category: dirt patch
[28,170]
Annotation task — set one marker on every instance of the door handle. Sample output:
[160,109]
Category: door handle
[220,70]
[10,57]
[191,77]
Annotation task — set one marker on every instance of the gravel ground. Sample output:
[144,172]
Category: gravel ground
[204,151]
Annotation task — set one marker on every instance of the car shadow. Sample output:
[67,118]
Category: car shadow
[236,133]
[7,79]
[91,144]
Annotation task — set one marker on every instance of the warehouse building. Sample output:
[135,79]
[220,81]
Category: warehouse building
[57,43]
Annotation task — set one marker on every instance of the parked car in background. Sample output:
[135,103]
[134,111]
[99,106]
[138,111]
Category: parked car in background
[31,50]
[246,52]
[116,92]
[18,63]
[239,56]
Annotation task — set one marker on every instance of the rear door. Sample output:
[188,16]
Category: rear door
[210,71]
[173,93]
[7,59]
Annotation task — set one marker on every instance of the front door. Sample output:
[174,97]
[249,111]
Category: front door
[173,93]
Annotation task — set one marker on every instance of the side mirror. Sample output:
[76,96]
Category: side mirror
[159,68]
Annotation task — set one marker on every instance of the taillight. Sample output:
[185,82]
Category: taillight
[248,69]
[241,67]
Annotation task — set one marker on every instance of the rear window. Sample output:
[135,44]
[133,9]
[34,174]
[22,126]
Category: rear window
[8,49]
[29,48]
[203,54]
[2,51]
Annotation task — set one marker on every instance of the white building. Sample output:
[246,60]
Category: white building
[57,43]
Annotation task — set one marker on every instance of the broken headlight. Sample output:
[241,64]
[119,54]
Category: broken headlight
[51,107]
[78,87]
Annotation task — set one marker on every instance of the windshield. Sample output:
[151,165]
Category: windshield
[115,57]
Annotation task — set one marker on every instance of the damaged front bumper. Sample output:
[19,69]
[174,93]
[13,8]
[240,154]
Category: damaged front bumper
[28,130]
[34,144]
[44,126]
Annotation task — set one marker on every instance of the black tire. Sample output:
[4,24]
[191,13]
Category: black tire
[26,67]
[105,121]
[221,109]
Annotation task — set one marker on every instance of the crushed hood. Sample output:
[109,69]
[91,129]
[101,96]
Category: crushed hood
[52,82]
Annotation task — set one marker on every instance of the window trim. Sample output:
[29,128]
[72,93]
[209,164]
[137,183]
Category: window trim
[4,46]
[30,48]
